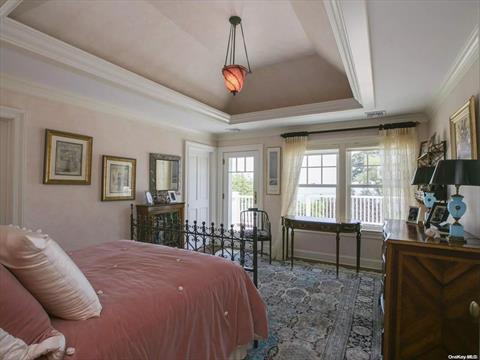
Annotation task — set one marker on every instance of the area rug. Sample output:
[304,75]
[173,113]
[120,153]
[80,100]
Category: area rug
[314,315]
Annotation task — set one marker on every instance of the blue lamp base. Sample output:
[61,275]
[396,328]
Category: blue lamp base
[457,209]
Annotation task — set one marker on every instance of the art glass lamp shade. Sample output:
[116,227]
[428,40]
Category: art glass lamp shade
[234,76]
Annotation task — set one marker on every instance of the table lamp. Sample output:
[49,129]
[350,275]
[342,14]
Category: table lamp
[457,172]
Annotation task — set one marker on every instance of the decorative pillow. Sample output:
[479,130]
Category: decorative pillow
[12,348]
[48,273]
[22,316]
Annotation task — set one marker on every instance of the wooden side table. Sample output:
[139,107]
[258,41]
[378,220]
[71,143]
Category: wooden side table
[292,222]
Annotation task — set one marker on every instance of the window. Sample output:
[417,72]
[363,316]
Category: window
[353,193]
[365,186]
[317,190]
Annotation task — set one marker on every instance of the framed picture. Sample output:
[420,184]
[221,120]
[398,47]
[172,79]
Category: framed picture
[172,196]
[68,158]
[148,198]
[118,180]
[423,148]
[438,214]
[273,170]
[463,132]
[413,214]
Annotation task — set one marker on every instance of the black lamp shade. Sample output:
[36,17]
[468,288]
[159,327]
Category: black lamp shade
[423,175]
[457,172]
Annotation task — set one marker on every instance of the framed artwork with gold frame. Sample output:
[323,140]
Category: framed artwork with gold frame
[463,132]
[68,158]
[119,177]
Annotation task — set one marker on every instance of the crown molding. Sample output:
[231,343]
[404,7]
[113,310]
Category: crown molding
[53,94]
[23,36]
[8,6]
[349,23]
[463,62]
[298,112]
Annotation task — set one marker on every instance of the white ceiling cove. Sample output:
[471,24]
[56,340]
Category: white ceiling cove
[181,45]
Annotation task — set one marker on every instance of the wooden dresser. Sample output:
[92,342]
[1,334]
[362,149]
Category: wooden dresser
[428,288]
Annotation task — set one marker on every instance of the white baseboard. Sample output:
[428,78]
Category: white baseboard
[375,264]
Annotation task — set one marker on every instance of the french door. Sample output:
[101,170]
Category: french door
[241,184]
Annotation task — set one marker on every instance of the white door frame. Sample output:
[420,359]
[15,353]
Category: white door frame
[19,160]
[227,149]
[190,145]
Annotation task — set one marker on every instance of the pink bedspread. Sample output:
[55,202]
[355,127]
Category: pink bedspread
[164,303]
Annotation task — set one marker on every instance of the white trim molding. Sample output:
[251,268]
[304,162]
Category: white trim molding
[8,6]
[463,62]
[349,22]
[25,37]
[54,94]
[19,160]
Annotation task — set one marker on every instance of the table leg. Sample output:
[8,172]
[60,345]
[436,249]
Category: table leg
[359,242]
[283,242]
[338,251]
[291,256]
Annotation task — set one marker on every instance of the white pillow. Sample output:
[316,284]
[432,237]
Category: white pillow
[12,348]
[48,273]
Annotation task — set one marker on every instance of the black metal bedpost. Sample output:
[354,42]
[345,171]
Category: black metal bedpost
[242,245]
[195,234]
[255,263]
[187,239]
[232,247]
[204,235]
[212,237]
[222,238]
[131,223]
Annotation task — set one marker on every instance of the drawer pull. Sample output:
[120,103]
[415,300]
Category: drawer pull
[474,310]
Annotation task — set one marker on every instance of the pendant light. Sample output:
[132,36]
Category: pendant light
[234,74]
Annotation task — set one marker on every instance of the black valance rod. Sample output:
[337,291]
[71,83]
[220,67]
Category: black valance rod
[399,125]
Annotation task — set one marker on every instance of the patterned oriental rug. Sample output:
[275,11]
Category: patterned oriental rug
[314,315]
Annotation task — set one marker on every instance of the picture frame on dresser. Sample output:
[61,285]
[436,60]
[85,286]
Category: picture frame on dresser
[463,132]
[119,178]
[413,214]
[67,158]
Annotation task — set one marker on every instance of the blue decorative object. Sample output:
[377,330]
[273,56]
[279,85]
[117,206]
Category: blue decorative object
[429,199]
[457,172]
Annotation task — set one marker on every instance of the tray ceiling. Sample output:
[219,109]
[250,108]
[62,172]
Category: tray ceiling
[181,45]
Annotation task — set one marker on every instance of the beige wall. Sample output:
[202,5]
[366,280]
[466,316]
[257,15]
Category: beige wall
[468,86]
[74,215]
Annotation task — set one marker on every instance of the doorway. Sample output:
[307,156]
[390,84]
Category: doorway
[241,184]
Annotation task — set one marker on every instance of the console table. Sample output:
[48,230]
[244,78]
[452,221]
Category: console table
[429,294]
[292,222]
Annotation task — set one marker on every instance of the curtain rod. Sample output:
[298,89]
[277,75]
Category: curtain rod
[399,125]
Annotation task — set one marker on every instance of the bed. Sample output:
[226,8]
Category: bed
[164,303]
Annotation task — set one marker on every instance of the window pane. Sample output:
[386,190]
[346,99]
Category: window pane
[374,157]
[330,175]
[359,175]
[374,177]
[303,176]
[367,205]
[232,164]
[316,202]
[249,163]
[330,160]
[315,175]
[315,160]
[241,164]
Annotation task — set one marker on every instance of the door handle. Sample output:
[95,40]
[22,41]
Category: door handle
[474,310]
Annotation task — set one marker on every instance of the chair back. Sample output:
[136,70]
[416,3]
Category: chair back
[254,216]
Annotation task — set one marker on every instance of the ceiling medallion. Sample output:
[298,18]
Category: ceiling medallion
[234,74]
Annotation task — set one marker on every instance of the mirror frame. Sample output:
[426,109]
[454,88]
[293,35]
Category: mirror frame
[153,170]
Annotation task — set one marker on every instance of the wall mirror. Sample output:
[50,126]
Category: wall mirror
[164,172]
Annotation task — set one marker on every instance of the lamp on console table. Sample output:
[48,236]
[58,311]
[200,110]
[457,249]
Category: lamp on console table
[457,172]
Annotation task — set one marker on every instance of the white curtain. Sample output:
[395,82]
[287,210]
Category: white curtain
[398,165]
[293,150]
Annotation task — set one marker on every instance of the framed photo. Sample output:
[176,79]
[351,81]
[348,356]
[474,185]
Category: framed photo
[68,158]
[413,214]
[118,180]
[148,198]
[463,132]
[273,170]
[423,148]
[172,196]
[438,214]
